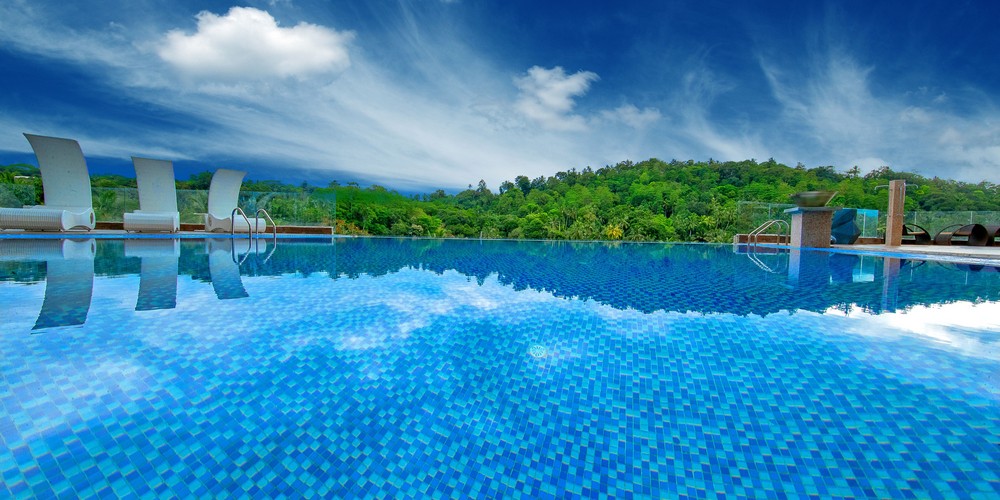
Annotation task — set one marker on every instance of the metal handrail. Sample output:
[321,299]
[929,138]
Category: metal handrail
[752,242]
[232,217]
[274,227]
[232,232]
[906,185]
[752,237]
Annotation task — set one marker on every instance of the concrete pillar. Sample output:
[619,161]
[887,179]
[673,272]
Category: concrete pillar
[811,226]
[894,220]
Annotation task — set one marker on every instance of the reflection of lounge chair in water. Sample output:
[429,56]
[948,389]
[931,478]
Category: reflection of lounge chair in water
[158,272]
[69,277]
[224,270]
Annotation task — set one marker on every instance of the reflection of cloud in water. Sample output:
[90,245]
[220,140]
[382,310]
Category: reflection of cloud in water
[21,303]
[969,329]
[364,321]
[80,381]
[421,299]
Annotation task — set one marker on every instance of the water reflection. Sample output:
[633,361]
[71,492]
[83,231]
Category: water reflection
[224,269]
[69,283]
[68,268]
[158,272]
[493,343]
[69,277]
[643,277]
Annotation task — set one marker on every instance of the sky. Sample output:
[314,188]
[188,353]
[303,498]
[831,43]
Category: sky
[417,95]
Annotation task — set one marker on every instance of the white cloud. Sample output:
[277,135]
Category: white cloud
[376,123]
[833,106]
[547,97]
[691,109]
[632,116]
[248,44]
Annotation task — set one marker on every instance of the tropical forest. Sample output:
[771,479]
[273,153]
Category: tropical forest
[651,200]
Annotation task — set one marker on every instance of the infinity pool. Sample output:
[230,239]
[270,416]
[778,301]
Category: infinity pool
[415,368]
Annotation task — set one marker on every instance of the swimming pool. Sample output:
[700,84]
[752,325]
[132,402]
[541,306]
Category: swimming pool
[412,368]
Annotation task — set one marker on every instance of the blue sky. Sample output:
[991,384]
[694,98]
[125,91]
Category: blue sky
[424,94]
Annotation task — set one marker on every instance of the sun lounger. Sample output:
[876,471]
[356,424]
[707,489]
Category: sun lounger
[223,197]
[66,188]
[158,271]
[992,233]
[968,234]
[915,235]
[157,197]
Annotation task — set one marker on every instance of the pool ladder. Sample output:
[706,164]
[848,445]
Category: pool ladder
[753,237]
[250,229]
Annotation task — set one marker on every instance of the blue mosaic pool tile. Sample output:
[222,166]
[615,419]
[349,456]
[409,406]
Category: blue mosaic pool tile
[417,383]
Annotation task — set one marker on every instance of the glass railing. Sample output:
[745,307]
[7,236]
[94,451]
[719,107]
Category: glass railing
[752,215]
[16,195]
[110,204]
[935,222]
[871,222]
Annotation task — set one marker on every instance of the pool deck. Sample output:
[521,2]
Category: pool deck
[988,255]
[985,255]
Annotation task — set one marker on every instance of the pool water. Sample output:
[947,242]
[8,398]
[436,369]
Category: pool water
[414,368]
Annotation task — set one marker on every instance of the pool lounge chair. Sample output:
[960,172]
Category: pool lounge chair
[915,235]
[992,233]
[223,197]
[66,187]
[965,234]
[157,198]
[157,271]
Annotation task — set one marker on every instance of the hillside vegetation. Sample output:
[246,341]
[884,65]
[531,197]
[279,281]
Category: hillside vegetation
[652,200]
